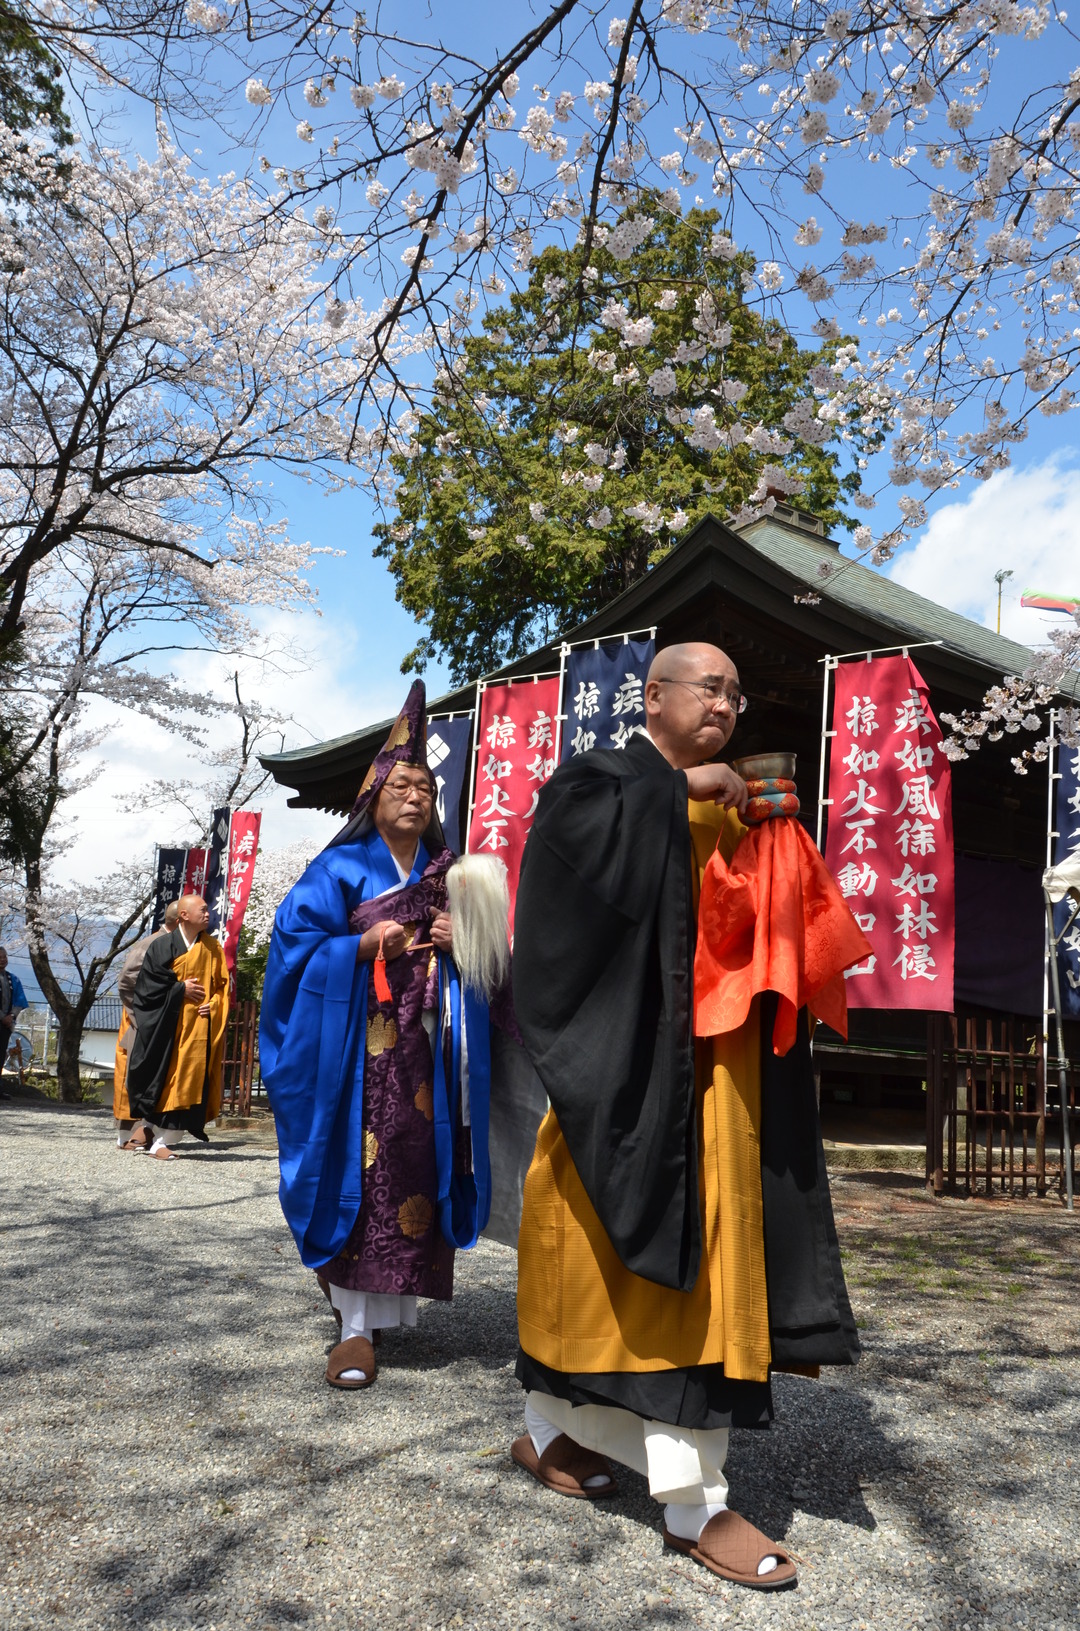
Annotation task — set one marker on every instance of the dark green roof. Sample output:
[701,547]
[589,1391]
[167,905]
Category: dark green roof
[859,587]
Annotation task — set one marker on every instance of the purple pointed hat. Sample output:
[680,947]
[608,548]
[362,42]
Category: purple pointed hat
[405,745]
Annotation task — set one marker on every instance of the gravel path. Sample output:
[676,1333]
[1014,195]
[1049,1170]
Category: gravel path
[171,1458]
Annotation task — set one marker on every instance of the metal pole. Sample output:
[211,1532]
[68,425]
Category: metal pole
[1063,1078]
[560,714]
[830,664]
[475,757]
[1051,778]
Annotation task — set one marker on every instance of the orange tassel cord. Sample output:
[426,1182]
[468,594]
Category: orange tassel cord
[382,984]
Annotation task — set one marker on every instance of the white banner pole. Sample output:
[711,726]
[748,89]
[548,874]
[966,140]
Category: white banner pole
[475,761]
[564,652]
[830,664]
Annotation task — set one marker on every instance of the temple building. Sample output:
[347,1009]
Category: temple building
[778,596]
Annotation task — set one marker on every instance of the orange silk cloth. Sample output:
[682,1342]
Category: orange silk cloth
[773,919]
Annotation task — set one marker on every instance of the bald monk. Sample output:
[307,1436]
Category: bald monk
[133,1136]
[677,1242]
[180,1006]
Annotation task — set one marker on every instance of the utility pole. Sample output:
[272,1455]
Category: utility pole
[999,579]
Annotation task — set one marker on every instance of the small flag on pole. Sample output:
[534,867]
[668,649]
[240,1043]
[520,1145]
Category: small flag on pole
[1069,604]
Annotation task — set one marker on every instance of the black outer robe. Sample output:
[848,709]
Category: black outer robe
[159,997]
[603,959]
[603,951]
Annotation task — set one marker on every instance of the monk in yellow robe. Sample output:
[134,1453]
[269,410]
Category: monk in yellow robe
[676,1239]
[180,1009]
[133,1135]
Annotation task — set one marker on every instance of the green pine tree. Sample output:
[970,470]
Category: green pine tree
[512,511]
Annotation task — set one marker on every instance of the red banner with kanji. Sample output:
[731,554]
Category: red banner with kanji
[515,756]
[890,842]
[243,848]
[194,872]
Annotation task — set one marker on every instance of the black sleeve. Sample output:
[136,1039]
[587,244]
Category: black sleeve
[602,958]
[159,997]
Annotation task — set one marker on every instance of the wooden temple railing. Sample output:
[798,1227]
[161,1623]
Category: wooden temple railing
[991,1128]
[241,1076]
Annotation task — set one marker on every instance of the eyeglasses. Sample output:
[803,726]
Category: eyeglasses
[712,691]
[406,790]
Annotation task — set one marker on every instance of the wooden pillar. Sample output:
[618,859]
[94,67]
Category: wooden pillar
[935,1049]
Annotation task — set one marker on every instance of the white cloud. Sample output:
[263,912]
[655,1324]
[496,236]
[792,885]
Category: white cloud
[1026,520]
[321,676]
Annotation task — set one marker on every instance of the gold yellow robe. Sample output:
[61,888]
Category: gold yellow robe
[579,1308]
[199,1047]
[121,1109]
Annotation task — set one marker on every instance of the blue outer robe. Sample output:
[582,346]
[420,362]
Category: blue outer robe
[314,1015]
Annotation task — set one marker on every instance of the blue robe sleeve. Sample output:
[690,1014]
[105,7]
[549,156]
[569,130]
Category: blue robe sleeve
[313,1014]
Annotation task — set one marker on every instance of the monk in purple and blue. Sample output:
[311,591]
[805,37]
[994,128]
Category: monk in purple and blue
[376,1057]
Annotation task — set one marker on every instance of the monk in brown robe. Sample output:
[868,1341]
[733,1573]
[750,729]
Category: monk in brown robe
[180,1008]
[133,1135]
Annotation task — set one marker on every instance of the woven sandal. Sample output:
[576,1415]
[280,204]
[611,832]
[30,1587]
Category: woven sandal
[564,1467]
[733,1548]
[354,1354]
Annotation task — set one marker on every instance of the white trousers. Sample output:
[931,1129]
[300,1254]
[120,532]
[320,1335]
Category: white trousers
[365,1311]
[684,1466]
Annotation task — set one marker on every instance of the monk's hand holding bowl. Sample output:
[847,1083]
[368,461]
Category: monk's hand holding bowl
[442,932]
[393,942]
[719,783]
[194,991]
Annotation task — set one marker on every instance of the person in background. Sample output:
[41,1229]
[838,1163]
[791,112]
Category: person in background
[134,1136]
[180,1008]
[12,1003]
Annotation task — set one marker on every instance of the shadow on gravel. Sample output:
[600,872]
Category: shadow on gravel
[879,1180]
[184,1386]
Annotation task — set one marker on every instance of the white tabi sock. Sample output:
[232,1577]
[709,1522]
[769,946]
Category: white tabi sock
[350,1328]
[688,1521]
[542,1432]
[165,1138]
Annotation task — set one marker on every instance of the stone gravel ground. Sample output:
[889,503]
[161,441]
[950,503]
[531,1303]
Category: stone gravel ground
[170,1457]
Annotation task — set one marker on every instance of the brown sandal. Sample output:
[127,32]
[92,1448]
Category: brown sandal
[564,1467]
[733,1548]
[354,1354]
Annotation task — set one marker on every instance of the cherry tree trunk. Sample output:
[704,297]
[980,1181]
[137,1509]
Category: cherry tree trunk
[69,1030]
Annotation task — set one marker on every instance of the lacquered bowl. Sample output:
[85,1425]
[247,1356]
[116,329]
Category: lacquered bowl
[760,766]
[769,805]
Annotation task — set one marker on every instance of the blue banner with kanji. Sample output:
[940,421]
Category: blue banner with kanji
[1067,844]
[604,696]
[169,883]
[448,761]
[214,882]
